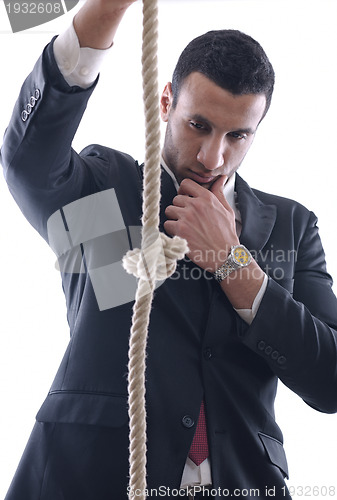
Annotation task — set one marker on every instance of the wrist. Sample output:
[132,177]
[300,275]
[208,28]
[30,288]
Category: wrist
[96,23]
[242,286]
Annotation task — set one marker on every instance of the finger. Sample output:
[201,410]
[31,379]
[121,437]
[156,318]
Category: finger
[217,189]
[173,212]
[180,200]
[188,187]
[218,185]
[170,227]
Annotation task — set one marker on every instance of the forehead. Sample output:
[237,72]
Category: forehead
[201,96]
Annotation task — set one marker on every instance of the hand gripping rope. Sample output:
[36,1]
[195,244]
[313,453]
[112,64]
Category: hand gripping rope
[156,260]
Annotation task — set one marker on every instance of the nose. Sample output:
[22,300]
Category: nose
[211,153]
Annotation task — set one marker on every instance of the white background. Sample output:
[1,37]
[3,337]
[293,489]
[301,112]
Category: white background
[293,155]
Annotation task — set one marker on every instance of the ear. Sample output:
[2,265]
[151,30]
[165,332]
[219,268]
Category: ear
[166,101]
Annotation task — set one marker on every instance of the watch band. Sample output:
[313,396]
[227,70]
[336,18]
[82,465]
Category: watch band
[224,270]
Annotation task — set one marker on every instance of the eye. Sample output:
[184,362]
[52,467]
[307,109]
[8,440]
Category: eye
[197,125]
[237,135]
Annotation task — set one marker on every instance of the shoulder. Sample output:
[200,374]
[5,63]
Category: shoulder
[113,159]
[111,168]
[110,155]
[285,207]
[288,210]
[280,201]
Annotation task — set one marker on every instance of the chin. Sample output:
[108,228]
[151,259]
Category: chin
[208,185]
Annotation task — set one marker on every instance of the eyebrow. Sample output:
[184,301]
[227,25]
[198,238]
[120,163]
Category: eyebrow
[200,118]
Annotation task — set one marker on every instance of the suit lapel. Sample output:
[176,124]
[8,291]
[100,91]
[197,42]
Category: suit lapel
[258,219]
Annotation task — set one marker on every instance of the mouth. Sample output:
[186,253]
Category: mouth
[202,179]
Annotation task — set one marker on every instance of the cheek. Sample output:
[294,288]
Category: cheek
[185,144]
[236,154]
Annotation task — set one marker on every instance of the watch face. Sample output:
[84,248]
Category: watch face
[241,256]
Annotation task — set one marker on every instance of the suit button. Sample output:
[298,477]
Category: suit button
[37,94]
[282,360]
[32,101]
[187,421]
[208,353]
[29,108]
[24,115]
[268,350]
[275,355]
[261,345]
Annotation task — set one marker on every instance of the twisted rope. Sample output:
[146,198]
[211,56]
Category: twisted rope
[155,260]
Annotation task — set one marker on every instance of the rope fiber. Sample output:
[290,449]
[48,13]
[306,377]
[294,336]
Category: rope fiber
[156,260]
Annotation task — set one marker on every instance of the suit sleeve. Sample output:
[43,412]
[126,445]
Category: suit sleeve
[297,335]
[42,170]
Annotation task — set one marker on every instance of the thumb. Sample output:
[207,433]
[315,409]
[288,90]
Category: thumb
[217,189]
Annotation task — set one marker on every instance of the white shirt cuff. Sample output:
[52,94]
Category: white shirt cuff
[249,314]
[78,65]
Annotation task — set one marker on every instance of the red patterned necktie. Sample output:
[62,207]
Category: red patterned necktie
[199,449]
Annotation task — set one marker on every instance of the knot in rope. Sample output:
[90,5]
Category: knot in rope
[157,261]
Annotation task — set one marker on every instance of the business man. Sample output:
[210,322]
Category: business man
[251,303]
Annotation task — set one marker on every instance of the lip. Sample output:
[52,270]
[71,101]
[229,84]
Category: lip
[201,179]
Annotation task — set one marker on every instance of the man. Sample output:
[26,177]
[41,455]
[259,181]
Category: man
[252,302]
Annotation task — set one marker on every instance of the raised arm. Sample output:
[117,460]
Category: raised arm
[97,21]
[42,171]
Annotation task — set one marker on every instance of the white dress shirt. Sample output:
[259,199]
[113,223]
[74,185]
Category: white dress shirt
[80,66]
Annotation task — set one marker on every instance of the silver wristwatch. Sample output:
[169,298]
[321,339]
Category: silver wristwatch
[238,257]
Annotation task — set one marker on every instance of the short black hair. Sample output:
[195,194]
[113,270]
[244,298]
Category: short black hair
[231,59]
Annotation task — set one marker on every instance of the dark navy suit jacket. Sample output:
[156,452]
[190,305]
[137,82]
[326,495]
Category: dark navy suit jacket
[198,346]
